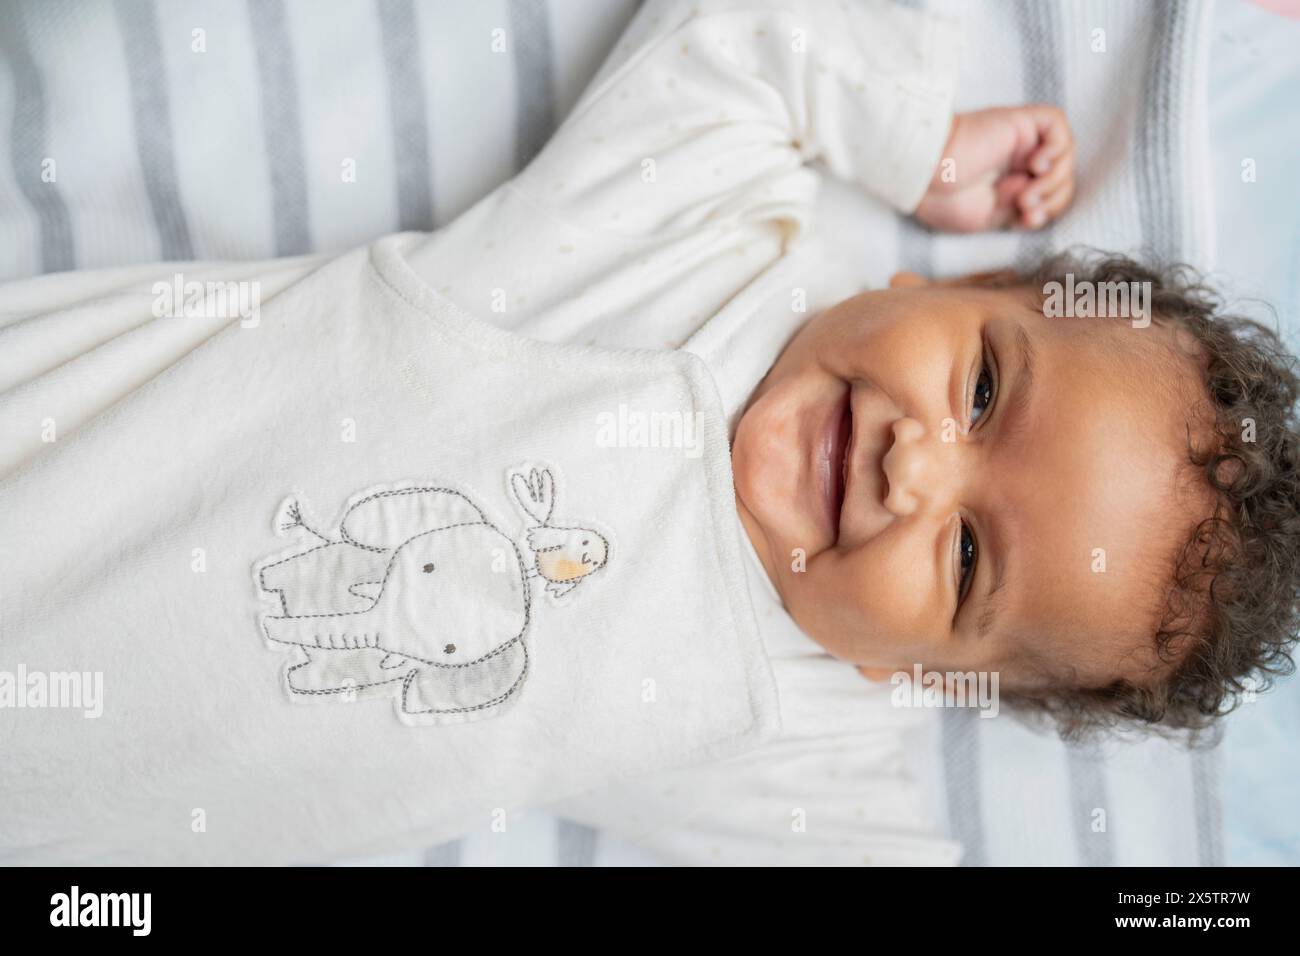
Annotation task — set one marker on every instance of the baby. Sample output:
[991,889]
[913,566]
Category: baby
[1104,515]
[402,446]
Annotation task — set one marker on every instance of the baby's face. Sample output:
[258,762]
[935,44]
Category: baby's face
[938,474]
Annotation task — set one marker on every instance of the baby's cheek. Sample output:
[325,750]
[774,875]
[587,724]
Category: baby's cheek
[896,622]
[883,605]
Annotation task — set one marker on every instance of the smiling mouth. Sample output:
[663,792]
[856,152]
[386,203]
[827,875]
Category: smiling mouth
[845,457]
[834,458]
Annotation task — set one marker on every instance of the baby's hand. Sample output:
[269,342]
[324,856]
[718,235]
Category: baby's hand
[1009,167]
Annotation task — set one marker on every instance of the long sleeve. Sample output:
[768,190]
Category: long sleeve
[687,168]
[704,105]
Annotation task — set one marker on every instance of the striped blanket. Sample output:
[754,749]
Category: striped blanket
[130,125]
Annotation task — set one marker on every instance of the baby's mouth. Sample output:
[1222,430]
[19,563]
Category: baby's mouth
[834,460]
[845,457]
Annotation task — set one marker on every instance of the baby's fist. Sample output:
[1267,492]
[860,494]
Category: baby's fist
[1002,168]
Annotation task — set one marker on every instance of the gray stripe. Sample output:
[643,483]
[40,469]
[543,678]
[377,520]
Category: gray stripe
[407,113]
[1208,806]
[577,844]
[281,126]
[530,41]
[961,781]
[1087,775]
[1160,215]
[153,124]
[27,147]
[1039,27]
[444,854]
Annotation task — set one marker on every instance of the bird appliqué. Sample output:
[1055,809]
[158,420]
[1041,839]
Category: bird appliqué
[563,556]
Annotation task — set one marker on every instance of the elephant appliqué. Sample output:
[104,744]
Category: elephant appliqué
[418,596]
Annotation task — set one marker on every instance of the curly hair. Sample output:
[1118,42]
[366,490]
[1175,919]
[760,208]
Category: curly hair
[1233,607]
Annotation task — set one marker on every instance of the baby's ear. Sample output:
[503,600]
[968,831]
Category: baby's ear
[995,278]
[877,674]
[907,280]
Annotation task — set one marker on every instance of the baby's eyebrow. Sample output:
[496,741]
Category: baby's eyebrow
[992,604]
[1015,414]
[1025,346]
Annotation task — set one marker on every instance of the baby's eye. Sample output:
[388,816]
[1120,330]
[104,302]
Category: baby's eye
[967,555]
[983,396]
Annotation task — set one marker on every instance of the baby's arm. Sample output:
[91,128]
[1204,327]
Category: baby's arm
[708,111]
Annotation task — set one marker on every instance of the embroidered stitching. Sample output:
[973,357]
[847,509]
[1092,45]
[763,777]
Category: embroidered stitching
[393,629]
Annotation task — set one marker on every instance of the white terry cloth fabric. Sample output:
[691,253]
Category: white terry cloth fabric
[404,443]
[493,561]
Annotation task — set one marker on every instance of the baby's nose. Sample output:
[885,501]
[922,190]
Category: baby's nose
[909,469]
